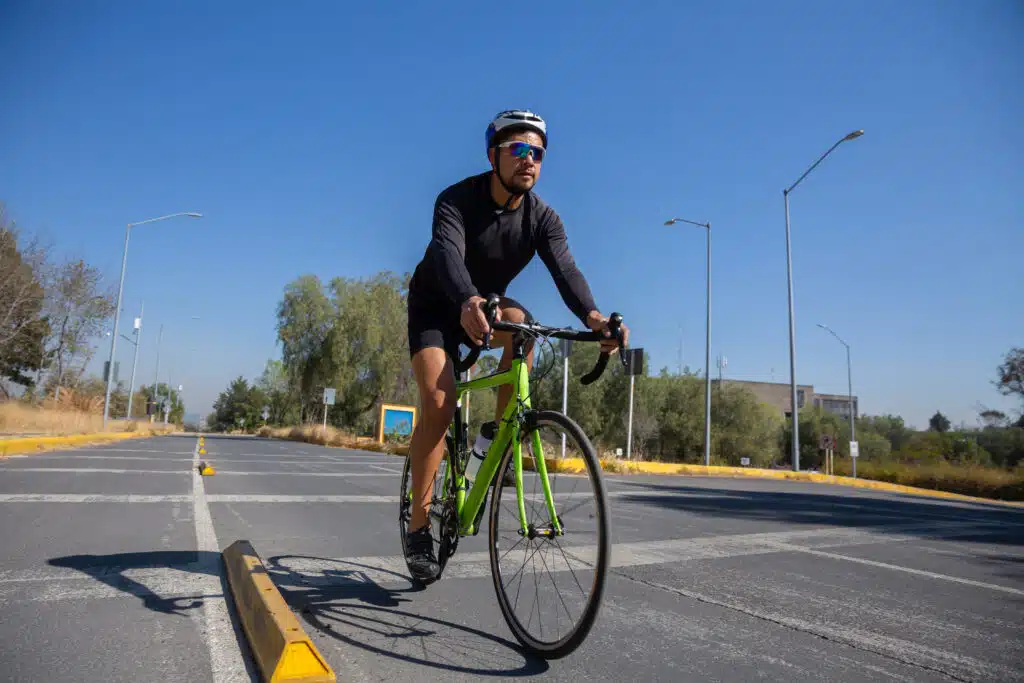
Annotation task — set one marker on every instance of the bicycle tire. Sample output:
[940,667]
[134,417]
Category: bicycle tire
[571,640]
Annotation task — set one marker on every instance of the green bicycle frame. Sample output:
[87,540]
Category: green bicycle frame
[468,503]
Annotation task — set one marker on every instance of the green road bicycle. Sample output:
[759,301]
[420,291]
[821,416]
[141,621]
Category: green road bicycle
[562,540]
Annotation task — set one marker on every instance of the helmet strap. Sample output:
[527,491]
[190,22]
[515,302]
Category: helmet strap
[512,193]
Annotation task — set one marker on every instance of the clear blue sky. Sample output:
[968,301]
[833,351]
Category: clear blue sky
[315,136]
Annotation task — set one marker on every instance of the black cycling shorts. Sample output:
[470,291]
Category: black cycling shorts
[436,324]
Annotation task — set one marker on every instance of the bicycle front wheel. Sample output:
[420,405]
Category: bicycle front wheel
[549,586]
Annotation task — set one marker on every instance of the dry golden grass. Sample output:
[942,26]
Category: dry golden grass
[316,434]
[970,480]
[18,418]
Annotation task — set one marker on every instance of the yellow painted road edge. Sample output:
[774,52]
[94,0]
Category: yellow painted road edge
[37,444]
[279,644]
[575,466]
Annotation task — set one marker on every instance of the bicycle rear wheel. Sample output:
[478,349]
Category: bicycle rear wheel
[569,569]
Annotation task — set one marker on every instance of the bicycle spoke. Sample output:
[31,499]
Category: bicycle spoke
[536,592]
[571,570]
[520,580]
[524,538]
[555,586]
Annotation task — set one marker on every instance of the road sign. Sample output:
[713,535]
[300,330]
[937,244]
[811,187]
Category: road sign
[635,362]
[566,347]
[266,413]
[854,449]
[745,461]
[827,442]
[329,397]
[106,370]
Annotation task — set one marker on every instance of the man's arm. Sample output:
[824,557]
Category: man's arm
[448,249]
[553,247]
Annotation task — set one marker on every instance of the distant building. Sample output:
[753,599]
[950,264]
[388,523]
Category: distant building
[778,395]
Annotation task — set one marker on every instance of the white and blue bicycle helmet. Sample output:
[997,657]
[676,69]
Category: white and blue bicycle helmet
[516,119]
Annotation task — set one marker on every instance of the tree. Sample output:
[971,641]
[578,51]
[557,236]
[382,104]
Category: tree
[304,319]
[78,308]
[1011,376]
[939,423]
[238,407]
[281,399]
[366,346]
[23,327]
[994,419]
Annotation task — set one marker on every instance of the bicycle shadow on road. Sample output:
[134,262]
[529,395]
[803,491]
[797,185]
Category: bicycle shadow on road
[348,602]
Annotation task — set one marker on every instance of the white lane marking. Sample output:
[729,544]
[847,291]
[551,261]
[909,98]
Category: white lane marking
[91,498]
[122,450]
[178,583]
[945,661]
[386,469]
[226,473]
[91,470]
[215,626]
[477,564]
[354,458]
[50,456]
[900,568]
[270,498]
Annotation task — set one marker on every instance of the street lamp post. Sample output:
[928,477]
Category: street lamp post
[849,388]
[789,279]
[117,309]
[707,340]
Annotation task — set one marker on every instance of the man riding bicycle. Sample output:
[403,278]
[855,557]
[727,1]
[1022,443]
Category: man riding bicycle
[486,229]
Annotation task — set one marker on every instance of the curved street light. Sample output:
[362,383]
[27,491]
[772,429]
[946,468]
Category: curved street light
[707,341]
[117,310]
[789,276]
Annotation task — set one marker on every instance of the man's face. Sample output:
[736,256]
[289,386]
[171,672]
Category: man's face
[519,174]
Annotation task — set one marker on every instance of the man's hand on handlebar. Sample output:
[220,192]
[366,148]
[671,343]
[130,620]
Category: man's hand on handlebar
[599,323]
[474,319]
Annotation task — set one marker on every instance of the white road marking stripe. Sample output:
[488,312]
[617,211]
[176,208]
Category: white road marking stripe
[90,470]
[81,456]
[271,498]
[900,568]
[477,564]
[901,650]
[215,626]
[227,473]
[91,498]
[125,450]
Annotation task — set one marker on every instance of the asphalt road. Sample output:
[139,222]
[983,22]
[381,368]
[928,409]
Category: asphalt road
[111,572]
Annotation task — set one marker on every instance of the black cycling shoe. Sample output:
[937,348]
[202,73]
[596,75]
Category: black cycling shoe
[419,554]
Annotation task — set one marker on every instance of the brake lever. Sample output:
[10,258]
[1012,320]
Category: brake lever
[615,327]
[490,310]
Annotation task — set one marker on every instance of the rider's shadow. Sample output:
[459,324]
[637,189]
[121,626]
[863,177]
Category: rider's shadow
[110,570]
[347,601]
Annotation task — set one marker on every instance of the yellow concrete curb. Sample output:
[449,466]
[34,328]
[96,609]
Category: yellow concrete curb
[206,469]
[278,642]
[36,444]
[575,466]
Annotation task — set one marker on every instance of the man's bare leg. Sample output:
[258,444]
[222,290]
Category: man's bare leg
[436,381]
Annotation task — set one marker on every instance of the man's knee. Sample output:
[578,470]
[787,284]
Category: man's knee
[436,383]
[513,311]
[438,404]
